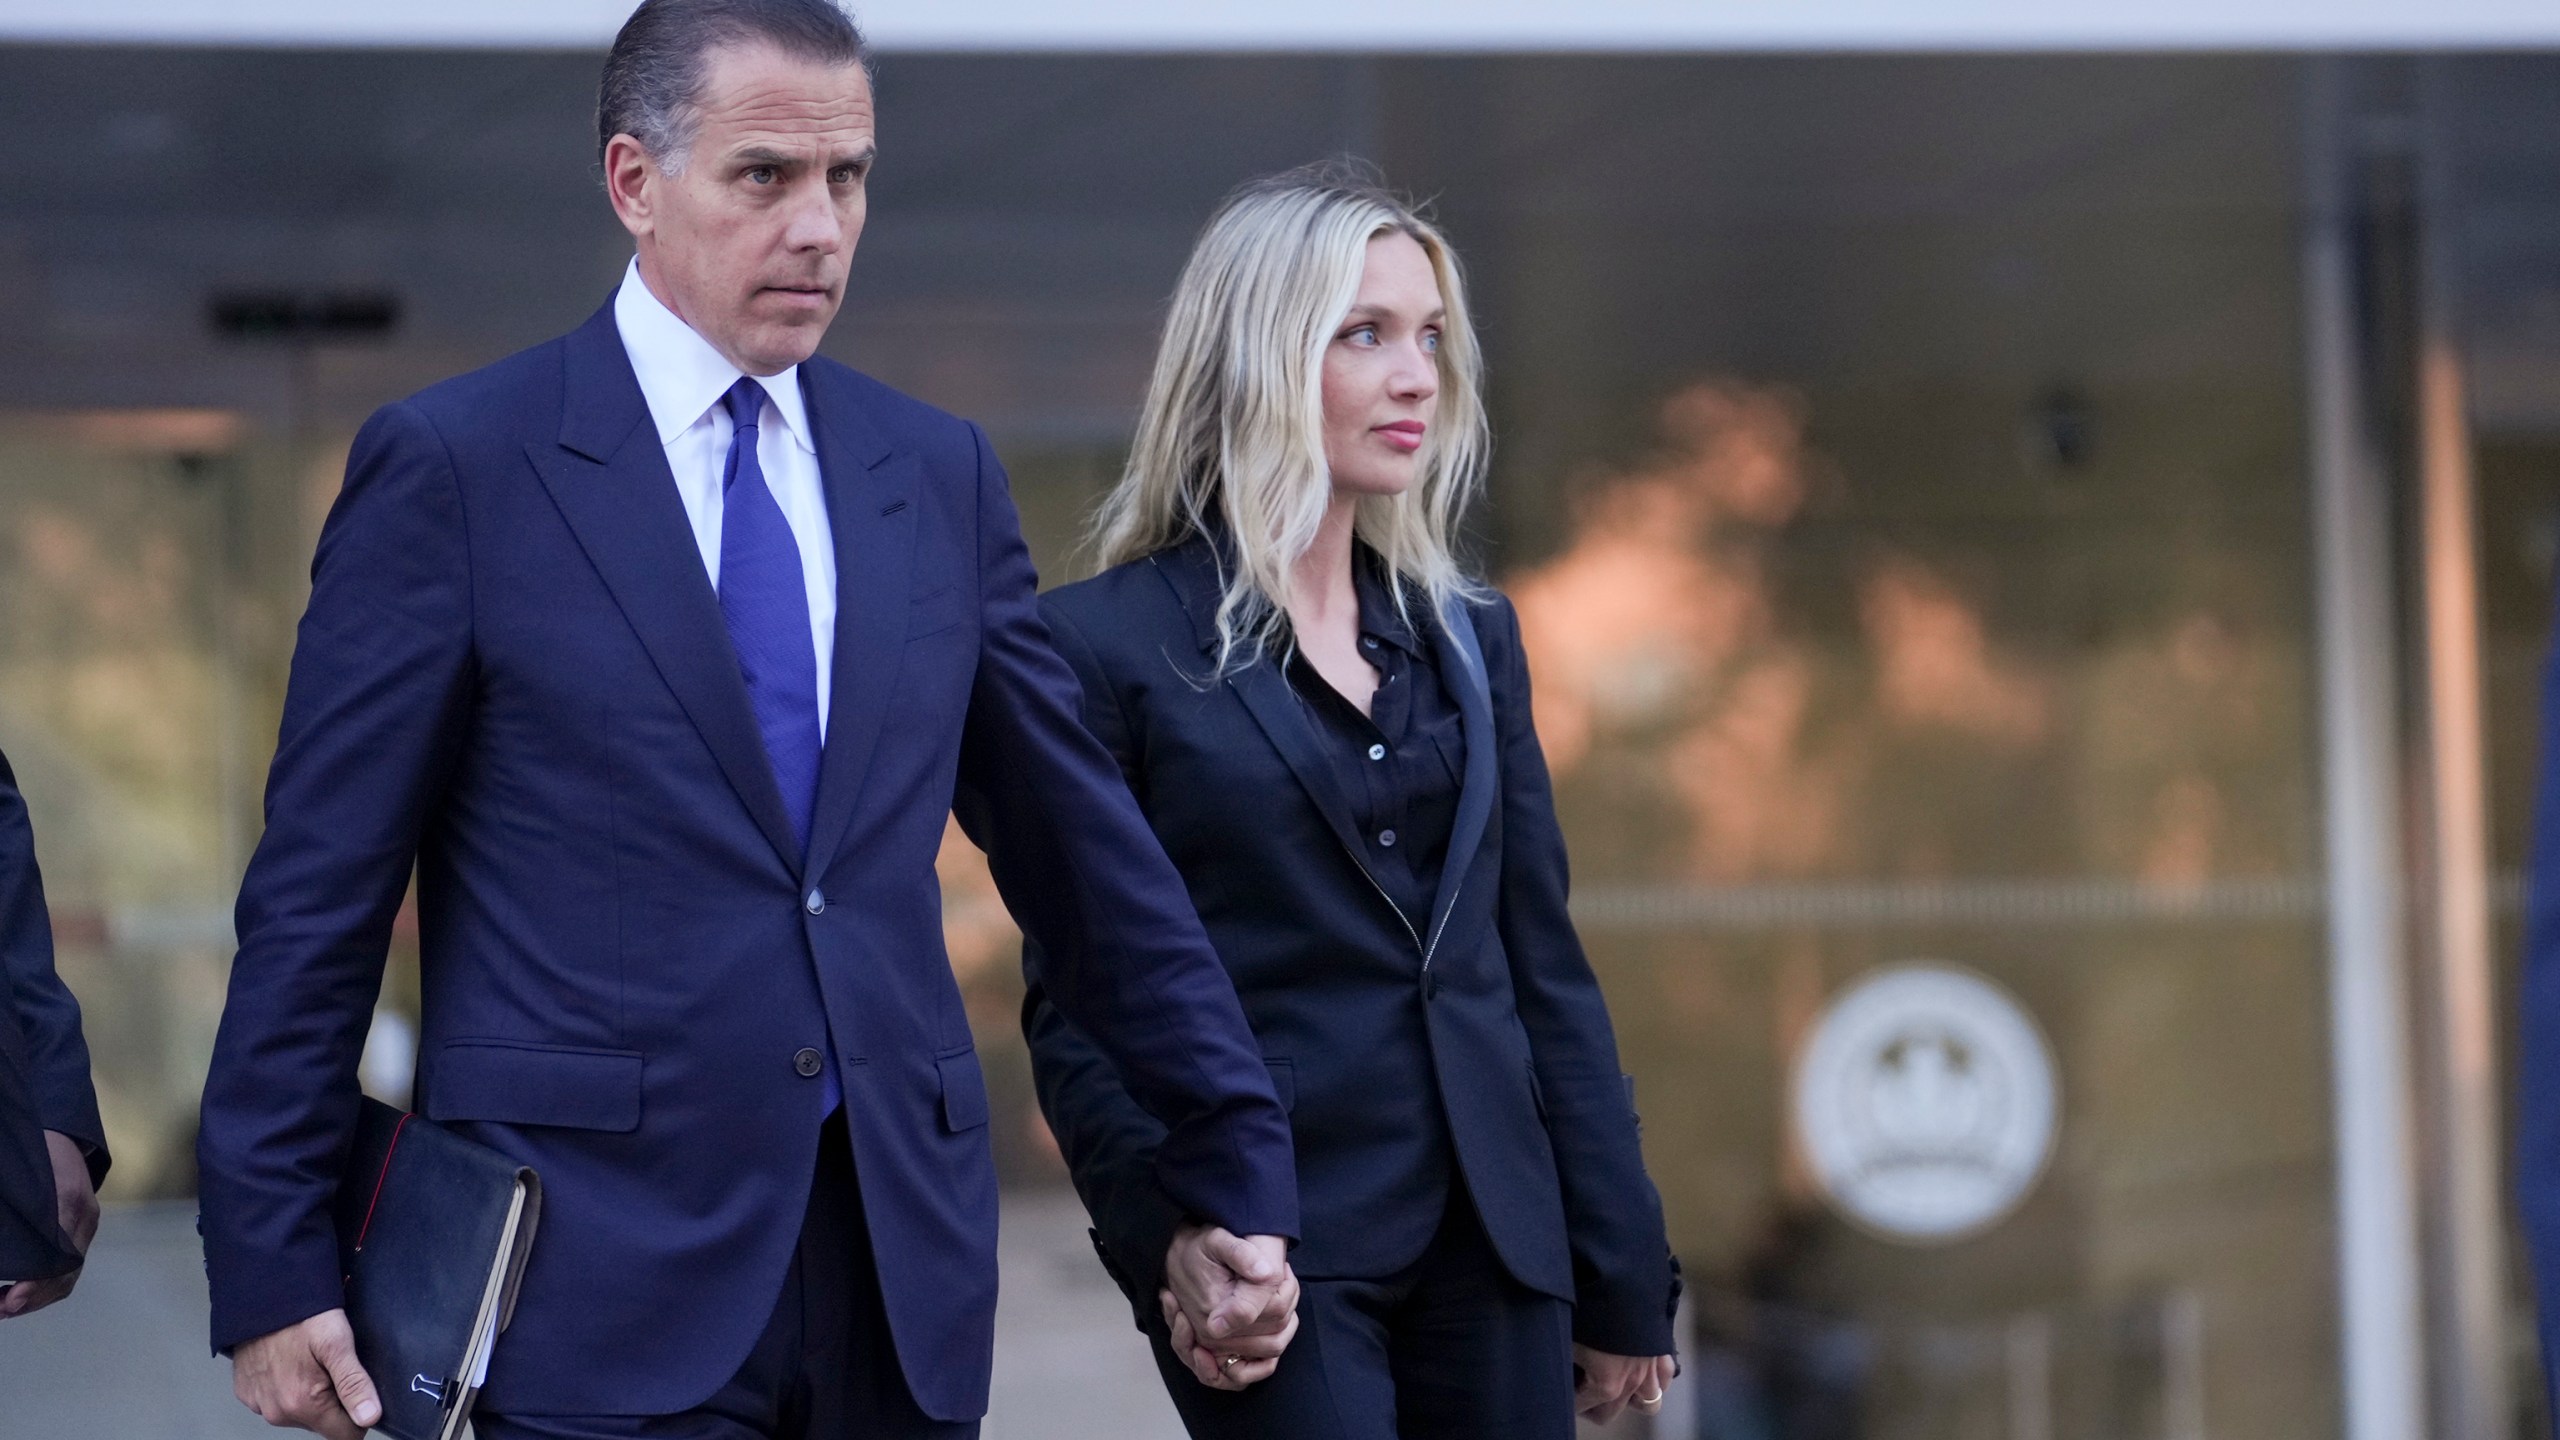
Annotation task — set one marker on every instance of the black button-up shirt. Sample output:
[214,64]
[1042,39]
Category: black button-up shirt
[1400,764]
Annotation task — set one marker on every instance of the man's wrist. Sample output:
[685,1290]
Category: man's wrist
[253,1300]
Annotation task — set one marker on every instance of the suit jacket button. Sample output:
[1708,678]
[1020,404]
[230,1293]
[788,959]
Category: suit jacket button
[808,1062]
[817,902]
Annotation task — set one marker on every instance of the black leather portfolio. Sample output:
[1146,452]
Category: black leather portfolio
[433,1232]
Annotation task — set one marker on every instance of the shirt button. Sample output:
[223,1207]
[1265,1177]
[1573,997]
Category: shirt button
[816,903]
[1387,838]
[1368,642]
[808,1062]
[1377,752]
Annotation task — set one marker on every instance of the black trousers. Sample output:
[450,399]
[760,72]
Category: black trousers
[1451,1348]
[825,1367]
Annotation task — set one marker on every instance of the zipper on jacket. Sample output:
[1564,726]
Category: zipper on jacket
[1428,980]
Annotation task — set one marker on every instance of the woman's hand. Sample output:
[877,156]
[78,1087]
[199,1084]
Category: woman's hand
[1236,1363]
[1611,1383]
[1230,1304]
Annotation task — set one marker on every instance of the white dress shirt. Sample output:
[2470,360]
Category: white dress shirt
[683,377]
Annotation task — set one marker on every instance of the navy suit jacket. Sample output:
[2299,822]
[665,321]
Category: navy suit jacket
[1472,1042]
[514,676]
[44,1064]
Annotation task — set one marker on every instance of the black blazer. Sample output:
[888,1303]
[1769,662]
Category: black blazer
[1477,1044]
[44,1064]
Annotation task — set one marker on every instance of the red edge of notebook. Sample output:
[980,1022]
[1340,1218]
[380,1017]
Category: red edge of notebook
[392,1149]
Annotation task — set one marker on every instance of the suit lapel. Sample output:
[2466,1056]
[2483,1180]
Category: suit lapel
[1192,570]
[1462,669]
[1276,708]
[610,480]
[871,508]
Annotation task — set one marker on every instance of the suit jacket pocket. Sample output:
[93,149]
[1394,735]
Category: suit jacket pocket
[945,608]
[1284,1079]
[964,1091]
[517,1083]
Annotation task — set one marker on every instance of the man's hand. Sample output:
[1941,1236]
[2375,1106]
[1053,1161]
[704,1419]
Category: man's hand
[1611,1383]
[1230,1303]
[75,1207]
[306,1376]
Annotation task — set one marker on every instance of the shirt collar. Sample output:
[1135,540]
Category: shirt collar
[682,376]
[1378,617]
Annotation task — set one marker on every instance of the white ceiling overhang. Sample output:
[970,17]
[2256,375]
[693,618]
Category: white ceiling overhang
[1365,25]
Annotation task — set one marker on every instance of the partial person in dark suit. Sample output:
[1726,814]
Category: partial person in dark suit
[1328,724]
[663,653]
[2537,1154]
[53,1151]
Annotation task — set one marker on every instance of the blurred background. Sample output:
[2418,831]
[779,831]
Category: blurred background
[2072,500]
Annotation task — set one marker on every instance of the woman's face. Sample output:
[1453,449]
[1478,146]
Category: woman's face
[1382,372]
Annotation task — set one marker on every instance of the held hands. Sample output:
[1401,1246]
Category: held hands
[306,1376]
[1611,1383]
[76,1209]
[1231,1303]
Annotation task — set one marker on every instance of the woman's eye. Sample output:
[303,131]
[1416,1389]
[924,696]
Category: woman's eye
[1362,335]
[1431,342]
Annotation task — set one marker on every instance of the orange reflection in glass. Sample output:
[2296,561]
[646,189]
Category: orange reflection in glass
[1658,636]
[1635,614]
[1934,664]
[1746,698]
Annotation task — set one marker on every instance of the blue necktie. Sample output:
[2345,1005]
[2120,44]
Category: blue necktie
[764,598]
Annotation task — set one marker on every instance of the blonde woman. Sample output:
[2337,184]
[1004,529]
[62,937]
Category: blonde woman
[1327,723]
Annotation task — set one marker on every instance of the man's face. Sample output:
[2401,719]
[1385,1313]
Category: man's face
[749,240]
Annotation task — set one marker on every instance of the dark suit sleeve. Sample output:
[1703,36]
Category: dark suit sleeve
[46,1015]
[1108,1139]
[1122,954]
[373,717]
[1624,1288]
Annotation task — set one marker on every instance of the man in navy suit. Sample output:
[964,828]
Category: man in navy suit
[53,1151]
[661,652]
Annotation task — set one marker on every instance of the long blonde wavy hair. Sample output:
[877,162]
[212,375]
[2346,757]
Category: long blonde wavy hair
[1232,437]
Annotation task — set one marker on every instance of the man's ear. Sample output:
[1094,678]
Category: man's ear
[631,181]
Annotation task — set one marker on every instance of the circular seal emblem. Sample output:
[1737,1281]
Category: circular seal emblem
[1925,1100]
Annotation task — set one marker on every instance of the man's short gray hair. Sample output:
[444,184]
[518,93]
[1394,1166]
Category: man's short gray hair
[652,87]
